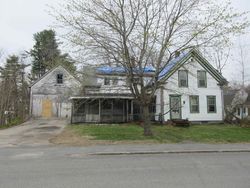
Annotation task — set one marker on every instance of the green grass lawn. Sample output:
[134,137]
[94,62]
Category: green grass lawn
[166,134]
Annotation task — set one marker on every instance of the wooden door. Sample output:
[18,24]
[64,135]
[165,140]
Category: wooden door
[46,108]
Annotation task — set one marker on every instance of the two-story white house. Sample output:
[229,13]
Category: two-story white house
[192,90]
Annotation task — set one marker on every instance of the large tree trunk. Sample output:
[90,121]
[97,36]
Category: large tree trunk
[147,123]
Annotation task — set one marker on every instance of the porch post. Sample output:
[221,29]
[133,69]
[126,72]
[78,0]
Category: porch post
[72,109]
[112,110]
[132,110]
[127,110]
[99,110]
[123,110]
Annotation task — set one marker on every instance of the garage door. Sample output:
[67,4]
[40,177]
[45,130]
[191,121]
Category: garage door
[46,108]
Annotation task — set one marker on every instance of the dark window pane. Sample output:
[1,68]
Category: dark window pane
[238,111]
[106,81]
[59,78]
[211,102]
[115,81]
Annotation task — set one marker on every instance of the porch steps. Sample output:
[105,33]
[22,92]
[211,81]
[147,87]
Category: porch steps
[180,122]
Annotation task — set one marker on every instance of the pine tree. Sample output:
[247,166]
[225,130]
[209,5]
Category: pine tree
[46,54]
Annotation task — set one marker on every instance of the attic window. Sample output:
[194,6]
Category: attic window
[183,78]
[107,81]
[202,78]
[59,78]
[115,81]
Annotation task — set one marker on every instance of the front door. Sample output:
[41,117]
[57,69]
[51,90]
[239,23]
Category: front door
[46,108]
[175,107]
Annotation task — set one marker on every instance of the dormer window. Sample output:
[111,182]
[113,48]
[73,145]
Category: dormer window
[183,78]
[107,81]
[115,81]
[59,79]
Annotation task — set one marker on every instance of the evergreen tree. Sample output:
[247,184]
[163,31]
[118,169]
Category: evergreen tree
[46,54]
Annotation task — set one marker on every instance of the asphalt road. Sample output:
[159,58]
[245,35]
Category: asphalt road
[63,167]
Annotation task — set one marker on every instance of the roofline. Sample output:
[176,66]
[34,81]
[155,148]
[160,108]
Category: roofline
[123,74]
[206,65]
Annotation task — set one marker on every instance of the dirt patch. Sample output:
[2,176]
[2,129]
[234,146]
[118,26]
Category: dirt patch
[70,138]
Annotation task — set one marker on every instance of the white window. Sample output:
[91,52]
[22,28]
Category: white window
[194,104]
[211,104]
[202,78]
[183,78]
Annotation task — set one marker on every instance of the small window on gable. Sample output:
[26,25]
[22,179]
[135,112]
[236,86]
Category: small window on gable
[106,81]
[202,78]
[183,78]
[115,81]
[59,78]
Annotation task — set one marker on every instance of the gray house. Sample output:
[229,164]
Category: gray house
[49,96]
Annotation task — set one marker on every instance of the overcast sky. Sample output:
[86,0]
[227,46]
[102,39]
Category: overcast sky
[20,19]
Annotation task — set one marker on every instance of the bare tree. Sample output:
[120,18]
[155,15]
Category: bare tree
[134,34]
[242,65]
[220,57]
[14,93]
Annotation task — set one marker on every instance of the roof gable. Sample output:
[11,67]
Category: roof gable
[178,62]
[51,71]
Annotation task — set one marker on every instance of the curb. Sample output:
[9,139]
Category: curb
[171,152]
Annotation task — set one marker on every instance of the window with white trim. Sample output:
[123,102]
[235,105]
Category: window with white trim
[194,104]
[183,78]
[202,78]
[211,104]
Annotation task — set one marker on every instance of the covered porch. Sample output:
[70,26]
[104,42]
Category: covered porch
[108,109]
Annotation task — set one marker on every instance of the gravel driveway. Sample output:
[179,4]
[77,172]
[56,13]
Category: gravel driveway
[34,132]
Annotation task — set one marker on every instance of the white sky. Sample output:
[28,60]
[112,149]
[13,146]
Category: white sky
[20,19]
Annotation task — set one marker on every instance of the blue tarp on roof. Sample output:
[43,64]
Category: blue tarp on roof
[112,70]
[172,64]
[149,69]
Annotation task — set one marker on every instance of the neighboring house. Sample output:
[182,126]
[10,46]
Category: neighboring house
[237,102]
[193,91]
[49,96]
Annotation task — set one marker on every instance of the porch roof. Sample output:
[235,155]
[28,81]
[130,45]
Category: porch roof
[103,97]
